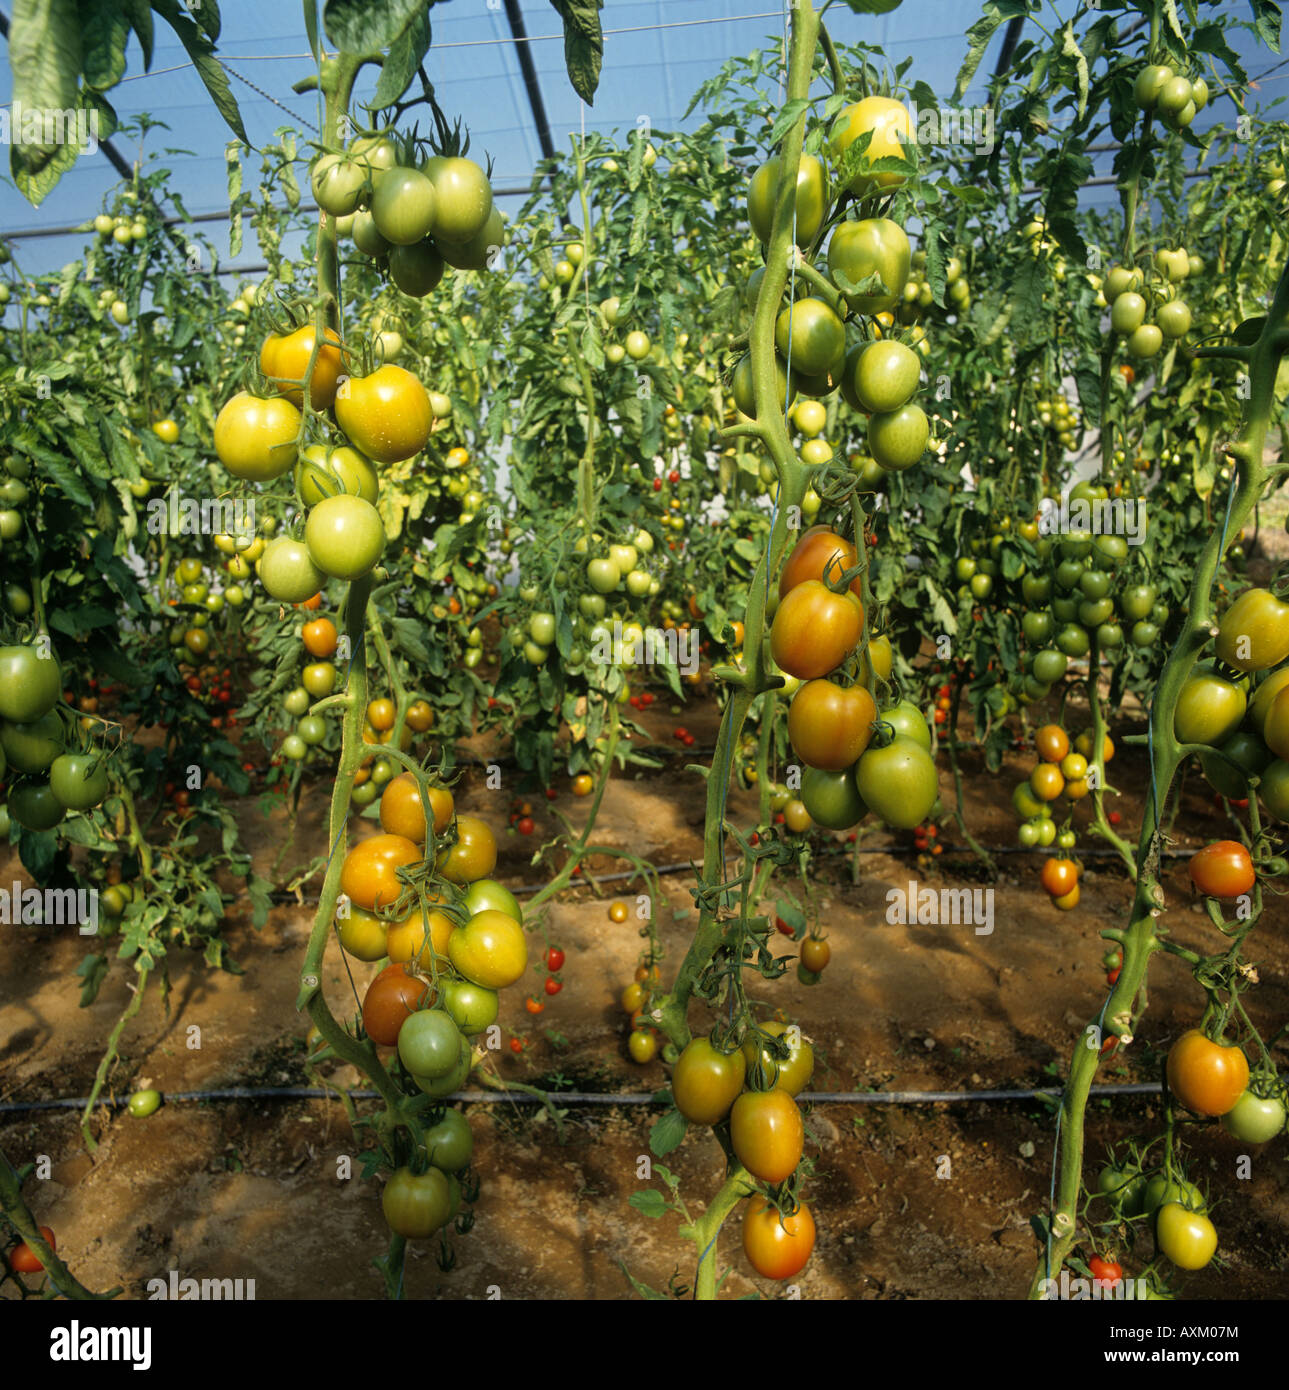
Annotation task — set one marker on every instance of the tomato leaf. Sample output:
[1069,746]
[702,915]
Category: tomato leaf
[789,114]
[311,27]
[583,44]
[668,1133]
[997,13]
[104,34]
[368,26]
[873,6]
[406,54]
[202,52]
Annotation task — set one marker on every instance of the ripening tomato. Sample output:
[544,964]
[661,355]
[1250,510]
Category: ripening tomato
[368,876]
[873,246]
[490,950]
[898,782]
[472,1007]
[791,1073]
[255,437]
[888,121]
[473,856]
[391,999]
[1223,869]
[819,554]
[767,1134]
[1052,742]
[1209,709]
[830,725]
[421,936]
[1205,1076]
[387,415]
[705,1082]
[420,717]
[1046,781]
[362,934]
[815,954]
[815,630]
[1253,634]
[323,472]
[776,1246]
[1187,1238]
[417,1204]
[287,359]
[22,1258]
[319,637]
[401,811]
[1059,876]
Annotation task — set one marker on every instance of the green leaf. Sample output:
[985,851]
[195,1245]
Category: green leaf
[369,26]
[997,12]
[873,6]
[406,54]
[583,44]
[643,1289]
[105,31]
[140,16]
[788,115]
[311,27]
[649,1203]
[1267,21]
[202,52]
[667,1134]
[45,55]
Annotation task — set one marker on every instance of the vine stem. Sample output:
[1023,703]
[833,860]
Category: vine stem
[18,1215]
[672,1011]
[1140,937]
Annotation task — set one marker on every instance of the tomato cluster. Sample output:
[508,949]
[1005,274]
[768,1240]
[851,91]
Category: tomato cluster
[1243,735]
[411,215]
[51,774]
[1132,292]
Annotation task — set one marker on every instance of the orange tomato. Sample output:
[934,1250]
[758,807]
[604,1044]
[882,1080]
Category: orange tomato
[368,877]
[419,937]
[1046,781]
[820,553]
[401,811]
[1207,1077]
[815,630]
[1223,869]
[1052,742]
[381,714]
[320,638]
[1059,876]
[777,1247]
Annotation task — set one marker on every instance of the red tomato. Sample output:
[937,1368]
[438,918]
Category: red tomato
[1223,869]
[22,1259]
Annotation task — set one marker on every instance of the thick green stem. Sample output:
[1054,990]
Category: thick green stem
[1140,938]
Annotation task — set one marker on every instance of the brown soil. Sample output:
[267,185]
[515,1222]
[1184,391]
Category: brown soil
[927,1201]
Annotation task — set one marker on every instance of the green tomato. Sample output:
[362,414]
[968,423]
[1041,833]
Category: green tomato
[874,246]
[144,1103]
[1255,1119]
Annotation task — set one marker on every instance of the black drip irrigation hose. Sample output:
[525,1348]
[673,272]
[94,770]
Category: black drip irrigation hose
[893,851]
[581,1098]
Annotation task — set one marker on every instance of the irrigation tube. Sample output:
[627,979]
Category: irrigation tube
[893,851]
[1148,1088]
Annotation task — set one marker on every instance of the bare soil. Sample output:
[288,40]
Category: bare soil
[912,1202]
